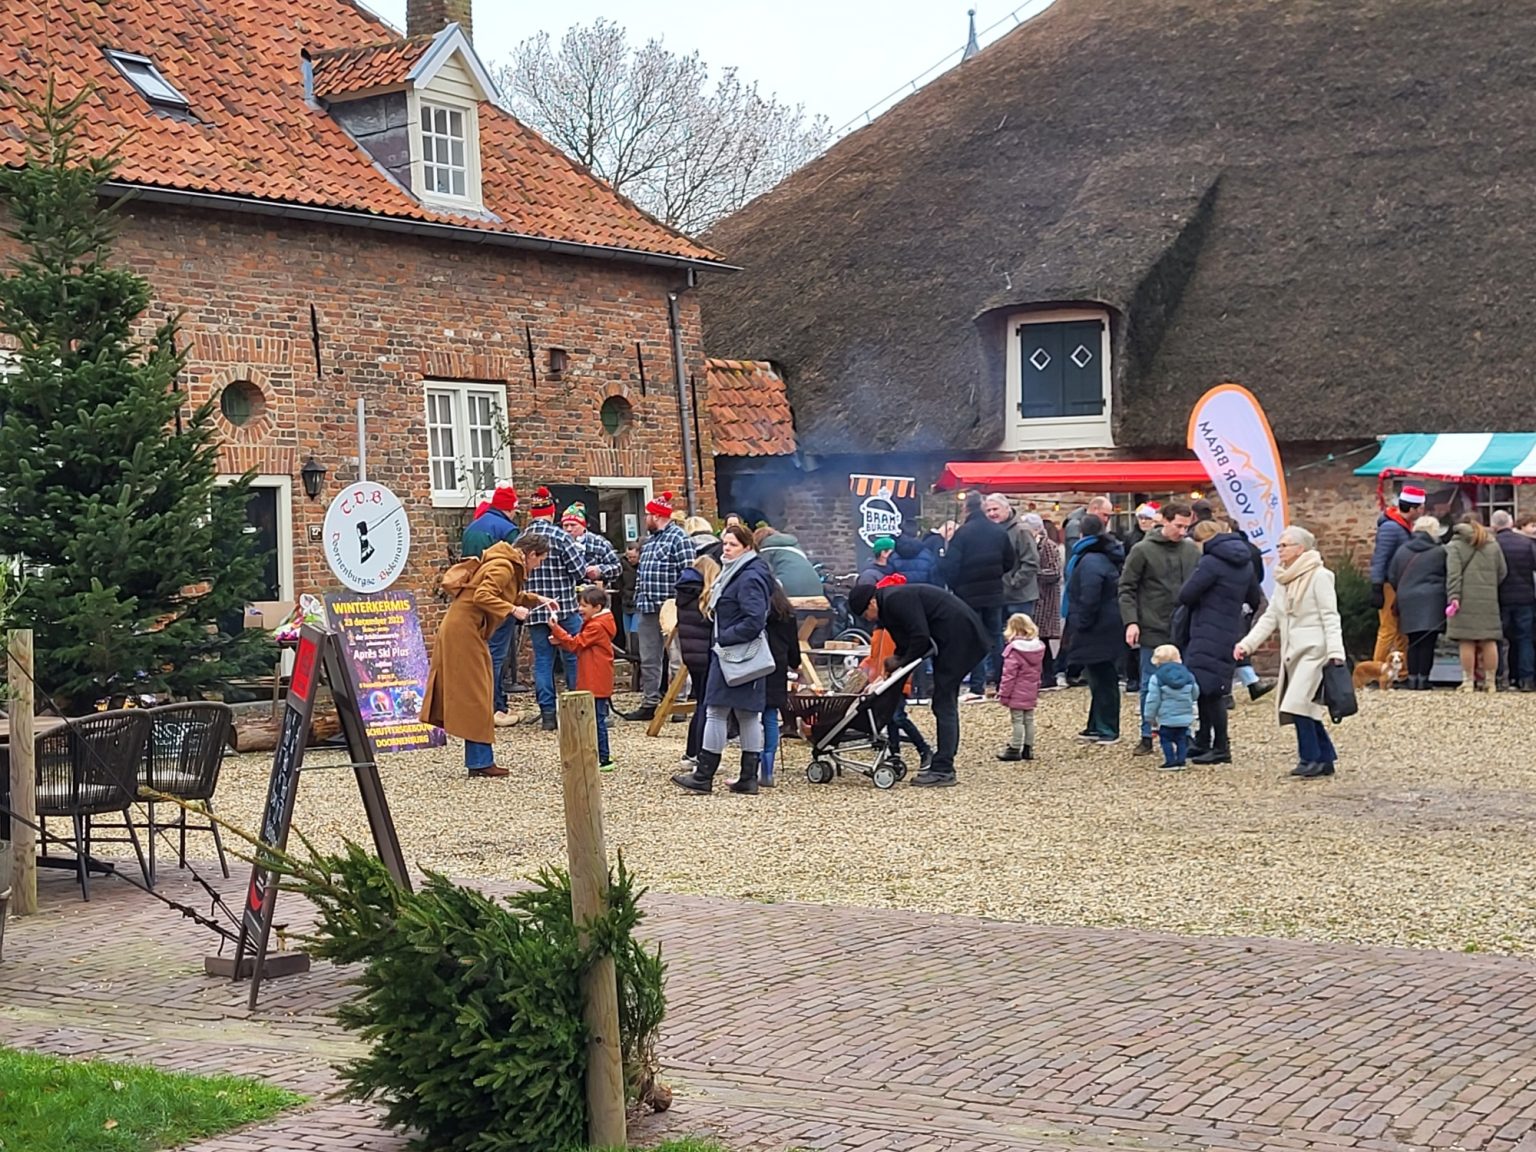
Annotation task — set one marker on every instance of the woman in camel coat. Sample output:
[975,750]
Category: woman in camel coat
[1305,608]
[458,698]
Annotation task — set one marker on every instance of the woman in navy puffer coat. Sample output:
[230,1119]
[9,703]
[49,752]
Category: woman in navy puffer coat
[1214,596]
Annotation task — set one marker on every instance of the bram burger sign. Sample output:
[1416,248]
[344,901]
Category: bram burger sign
[881,505]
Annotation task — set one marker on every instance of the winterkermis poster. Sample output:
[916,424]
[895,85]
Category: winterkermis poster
[1230,434]
[381,636]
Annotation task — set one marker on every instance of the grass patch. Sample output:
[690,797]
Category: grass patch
[53,1105]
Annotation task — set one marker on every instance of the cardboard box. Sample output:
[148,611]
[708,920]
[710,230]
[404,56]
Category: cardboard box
[268,614]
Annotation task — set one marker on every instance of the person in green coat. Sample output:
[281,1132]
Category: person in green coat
[1474,568]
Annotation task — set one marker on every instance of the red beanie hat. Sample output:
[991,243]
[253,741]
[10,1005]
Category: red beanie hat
[660,506]
[543,506]
[504,499]
[894,580]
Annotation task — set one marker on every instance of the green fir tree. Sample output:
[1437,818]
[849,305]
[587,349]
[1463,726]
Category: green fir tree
[134,553]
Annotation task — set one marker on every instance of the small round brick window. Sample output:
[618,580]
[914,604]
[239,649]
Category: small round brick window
[240,402]
[616,414]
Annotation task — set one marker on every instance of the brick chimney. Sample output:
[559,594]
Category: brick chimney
[429,17]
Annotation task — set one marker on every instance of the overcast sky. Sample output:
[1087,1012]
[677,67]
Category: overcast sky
[837,58]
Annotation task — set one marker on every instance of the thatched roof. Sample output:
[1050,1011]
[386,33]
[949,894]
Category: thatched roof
[1331,203]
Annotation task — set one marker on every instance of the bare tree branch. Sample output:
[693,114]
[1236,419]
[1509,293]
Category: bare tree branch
[651,123]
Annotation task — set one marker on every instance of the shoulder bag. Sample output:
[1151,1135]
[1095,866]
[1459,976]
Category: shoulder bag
[741,663]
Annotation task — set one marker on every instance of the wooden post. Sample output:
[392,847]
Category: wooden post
[669,706]
[23,772]
[588,856]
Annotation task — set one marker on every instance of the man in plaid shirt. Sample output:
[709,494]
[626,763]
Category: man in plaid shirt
[563,570]
[666,552]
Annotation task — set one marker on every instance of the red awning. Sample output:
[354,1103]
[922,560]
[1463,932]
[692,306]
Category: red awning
[1075,475]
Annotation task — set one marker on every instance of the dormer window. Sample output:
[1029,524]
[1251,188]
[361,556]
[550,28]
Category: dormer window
[140,71]
[444,151]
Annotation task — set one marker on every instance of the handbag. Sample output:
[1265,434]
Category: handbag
[740,663]
[1337,692]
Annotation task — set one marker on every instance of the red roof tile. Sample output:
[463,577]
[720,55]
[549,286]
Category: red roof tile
[748,409]
[251,133]
[357,69]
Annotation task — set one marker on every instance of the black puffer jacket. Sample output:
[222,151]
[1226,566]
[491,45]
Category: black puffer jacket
[1518,588]
[695,634]
[1417,574]
[1214,596]
[1093,603]
[784,643]
[979,556]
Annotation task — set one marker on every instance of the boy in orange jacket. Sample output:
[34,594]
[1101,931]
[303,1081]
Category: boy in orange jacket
[593,646]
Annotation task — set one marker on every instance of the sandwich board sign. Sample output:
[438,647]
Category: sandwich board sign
[319,657]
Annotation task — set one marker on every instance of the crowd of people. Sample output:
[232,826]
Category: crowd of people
[999,606]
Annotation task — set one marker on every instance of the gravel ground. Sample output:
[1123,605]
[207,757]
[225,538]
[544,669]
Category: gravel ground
[1427,837]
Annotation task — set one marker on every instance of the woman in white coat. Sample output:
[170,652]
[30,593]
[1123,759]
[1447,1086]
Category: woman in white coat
[1305,608]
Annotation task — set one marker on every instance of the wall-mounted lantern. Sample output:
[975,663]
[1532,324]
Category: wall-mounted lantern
[313,475]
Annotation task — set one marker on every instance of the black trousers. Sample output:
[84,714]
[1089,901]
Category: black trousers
[699,675]
[1212,735]
[1104,693]
[1421,652]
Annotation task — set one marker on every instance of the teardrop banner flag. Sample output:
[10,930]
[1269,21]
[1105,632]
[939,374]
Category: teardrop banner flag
[1230,434]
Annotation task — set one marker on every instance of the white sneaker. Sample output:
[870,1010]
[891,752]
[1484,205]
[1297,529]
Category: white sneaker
[688,761]
[506,719]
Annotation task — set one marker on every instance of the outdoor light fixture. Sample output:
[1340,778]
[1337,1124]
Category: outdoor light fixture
[313,475]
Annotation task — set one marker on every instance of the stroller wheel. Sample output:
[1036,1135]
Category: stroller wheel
[884,777]
[819,772]
[900,768]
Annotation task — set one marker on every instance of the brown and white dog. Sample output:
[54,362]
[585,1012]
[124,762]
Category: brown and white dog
[1384,673]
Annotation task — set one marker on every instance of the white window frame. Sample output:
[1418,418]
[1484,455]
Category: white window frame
[464,492]
[152,85]
[472,199]
[1056,431]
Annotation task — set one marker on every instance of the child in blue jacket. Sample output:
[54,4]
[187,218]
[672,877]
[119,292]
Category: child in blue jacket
[1171,703]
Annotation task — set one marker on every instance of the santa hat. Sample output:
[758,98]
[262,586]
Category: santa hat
[504,498]
[1411,494]
[483,507]
[1147,511]
[894,580]
[576,512]
[543,505]
[660,506]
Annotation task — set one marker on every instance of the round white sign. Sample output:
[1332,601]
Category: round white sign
[367,536]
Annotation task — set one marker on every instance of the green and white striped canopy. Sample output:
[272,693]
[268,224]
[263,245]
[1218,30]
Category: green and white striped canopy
[1453,455]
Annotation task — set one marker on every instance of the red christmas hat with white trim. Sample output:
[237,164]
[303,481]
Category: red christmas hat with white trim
[504,498]
[660,505]
[1411,494]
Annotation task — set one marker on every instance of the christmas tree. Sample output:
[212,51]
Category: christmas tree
[108,493]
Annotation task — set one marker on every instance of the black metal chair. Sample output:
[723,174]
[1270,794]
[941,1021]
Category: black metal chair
[182,759]
[86,768]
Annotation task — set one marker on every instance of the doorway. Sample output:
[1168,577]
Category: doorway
[621,504]
[269,527]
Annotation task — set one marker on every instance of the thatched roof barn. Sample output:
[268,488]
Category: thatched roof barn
[1332,203]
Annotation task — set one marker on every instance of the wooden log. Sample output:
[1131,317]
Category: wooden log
[23,753]
[588,856]
[257,732]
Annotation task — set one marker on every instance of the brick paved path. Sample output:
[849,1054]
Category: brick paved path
[794,1026]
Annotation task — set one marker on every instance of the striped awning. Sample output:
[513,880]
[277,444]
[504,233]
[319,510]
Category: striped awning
[900,487]
[1456,456]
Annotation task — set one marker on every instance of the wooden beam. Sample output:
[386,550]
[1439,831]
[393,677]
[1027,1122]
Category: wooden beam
[669,705]
[23,753]
[587,853]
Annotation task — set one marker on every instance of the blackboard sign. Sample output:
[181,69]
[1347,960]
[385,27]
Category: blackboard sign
[319,656]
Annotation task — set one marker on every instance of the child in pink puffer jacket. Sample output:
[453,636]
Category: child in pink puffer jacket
[1023,655]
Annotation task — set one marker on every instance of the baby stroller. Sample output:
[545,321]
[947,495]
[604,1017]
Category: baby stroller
[848,731]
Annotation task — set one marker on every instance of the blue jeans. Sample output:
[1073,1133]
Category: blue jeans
[1175,742]
[901,725]
[631,625]
[602,707]
[500,645]
[991,665]
[477,755]
[544,651]
[770,742]
[1518,659]
[1312,742]
[1146,682]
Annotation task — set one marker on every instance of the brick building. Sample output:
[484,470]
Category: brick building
[1050,252]
[342,213]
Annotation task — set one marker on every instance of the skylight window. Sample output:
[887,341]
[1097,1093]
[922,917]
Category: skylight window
[144,76]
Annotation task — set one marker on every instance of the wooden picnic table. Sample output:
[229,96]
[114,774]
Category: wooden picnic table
[40,725]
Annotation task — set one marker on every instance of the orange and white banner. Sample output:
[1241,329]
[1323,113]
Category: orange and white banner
[1230,434]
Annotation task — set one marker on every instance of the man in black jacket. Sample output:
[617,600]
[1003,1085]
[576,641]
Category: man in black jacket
[1517,604]
[923,618]
[979,556]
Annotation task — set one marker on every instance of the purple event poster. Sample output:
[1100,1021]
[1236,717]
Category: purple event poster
[381,635]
